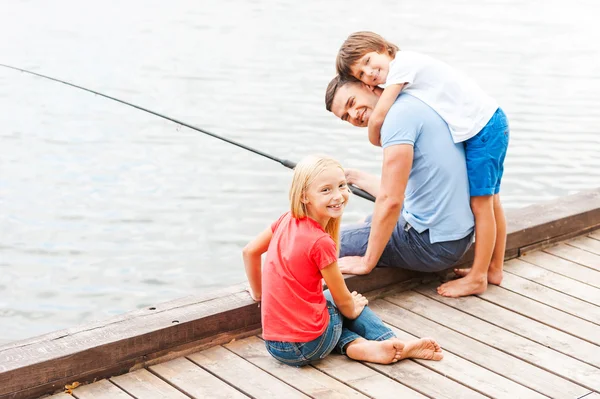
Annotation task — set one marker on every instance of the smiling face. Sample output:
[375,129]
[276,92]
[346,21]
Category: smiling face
[354,102]
[327,195]
[372,68]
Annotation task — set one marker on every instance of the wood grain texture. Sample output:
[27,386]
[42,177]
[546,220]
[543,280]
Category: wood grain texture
[102,389]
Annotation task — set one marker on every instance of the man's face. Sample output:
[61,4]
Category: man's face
[354,103]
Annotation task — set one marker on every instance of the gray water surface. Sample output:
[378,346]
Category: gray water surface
[105,209]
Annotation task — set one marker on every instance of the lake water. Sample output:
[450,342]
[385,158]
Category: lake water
[105,209]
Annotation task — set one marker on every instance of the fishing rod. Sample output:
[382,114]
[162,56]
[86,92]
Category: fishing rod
[284,162]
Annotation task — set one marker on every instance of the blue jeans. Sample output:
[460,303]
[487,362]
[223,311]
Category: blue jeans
[407,248]
[339,333]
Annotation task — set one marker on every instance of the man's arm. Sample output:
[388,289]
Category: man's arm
[368,182]
[387,99]
[397,163]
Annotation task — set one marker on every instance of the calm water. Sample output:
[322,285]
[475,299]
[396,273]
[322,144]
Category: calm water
[105,209]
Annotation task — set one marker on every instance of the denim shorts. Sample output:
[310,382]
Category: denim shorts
[339,333]
[406,249]
[485,153]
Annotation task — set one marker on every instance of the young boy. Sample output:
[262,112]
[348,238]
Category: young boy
[474,119]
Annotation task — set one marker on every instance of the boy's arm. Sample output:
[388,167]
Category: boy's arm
[253,263]
[387,99]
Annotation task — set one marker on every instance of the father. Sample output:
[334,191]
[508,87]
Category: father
[422,219]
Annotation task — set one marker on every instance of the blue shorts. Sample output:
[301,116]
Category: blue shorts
[485,154]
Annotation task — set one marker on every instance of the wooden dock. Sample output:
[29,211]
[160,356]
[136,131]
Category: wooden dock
[537,335]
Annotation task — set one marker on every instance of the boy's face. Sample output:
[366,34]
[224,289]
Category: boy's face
[372,68]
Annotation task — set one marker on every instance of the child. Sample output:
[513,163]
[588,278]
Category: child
[473,117]
[300,323]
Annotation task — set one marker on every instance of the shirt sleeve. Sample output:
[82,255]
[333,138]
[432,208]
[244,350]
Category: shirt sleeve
[276,223]
[399,126]
[403,69]
[323,252]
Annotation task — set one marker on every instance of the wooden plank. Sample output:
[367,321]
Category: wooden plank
[543,313]
[473,376]
[563,267]
[306,379]
[479,353]
[575,255]
[364,379]
[143,384]
[595,235]
[553,280]
[131,341]
[194,380]
[551,297]
[102,389]
[242,374]
[585,243]
[60,396]
[522,348]
[521,325]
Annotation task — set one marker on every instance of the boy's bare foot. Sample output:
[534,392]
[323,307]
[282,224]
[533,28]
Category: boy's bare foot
[392,350]
[464,286]
[424,348]
[494,275]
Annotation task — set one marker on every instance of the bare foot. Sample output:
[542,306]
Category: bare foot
[464,286]
[382,352]
[424,348]
[494,275]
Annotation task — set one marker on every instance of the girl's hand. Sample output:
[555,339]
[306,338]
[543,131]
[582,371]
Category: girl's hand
[255,297]
[359,304]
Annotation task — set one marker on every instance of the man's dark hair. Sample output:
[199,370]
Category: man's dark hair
[332,88]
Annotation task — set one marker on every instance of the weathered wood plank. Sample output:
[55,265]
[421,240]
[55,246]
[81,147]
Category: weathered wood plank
[521,325]
[551,297]
[522,348]
[60,396]
[194,381]
[473,376]
[595,235]
[553,280]
[127,341]
[305,379]
[479,353]
[102,389]
[543,313]
[585,243]
[563,267]
[142,384]
[242,374]
[364,379]
[575,255]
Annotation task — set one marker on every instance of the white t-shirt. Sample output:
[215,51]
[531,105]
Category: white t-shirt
[464,106]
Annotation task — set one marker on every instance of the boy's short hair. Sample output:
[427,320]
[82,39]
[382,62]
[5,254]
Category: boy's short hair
[357,45]
[332,88]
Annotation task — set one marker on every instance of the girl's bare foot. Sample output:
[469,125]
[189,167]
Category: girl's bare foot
[382,352]
[392,350]
[424,348]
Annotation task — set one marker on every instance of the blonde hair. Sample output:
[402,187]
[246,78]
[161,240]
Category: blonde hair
[305,173]
[356,46]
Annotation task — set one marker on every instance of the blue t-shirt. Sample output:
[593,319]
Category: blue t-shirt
[437,193]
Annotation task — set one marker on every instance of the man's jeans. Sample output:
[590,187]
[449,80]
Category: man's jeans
[339,333]
[407,248]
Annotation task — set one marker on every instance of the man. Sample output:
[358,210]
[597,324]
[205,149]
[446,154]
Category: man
[422,218]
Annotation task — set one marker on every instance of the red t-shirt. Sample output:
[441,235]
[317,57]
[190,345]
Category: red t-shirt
[294,308]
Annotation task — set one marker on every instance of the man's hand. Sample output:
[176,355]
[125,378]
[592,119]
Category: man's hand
[353,265]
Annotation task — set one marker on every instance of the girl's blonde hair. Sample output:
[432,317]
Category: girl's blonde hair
[305,173]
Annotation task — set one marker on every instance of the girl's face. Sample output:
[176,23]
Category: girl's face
[327,195]
[372,68]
